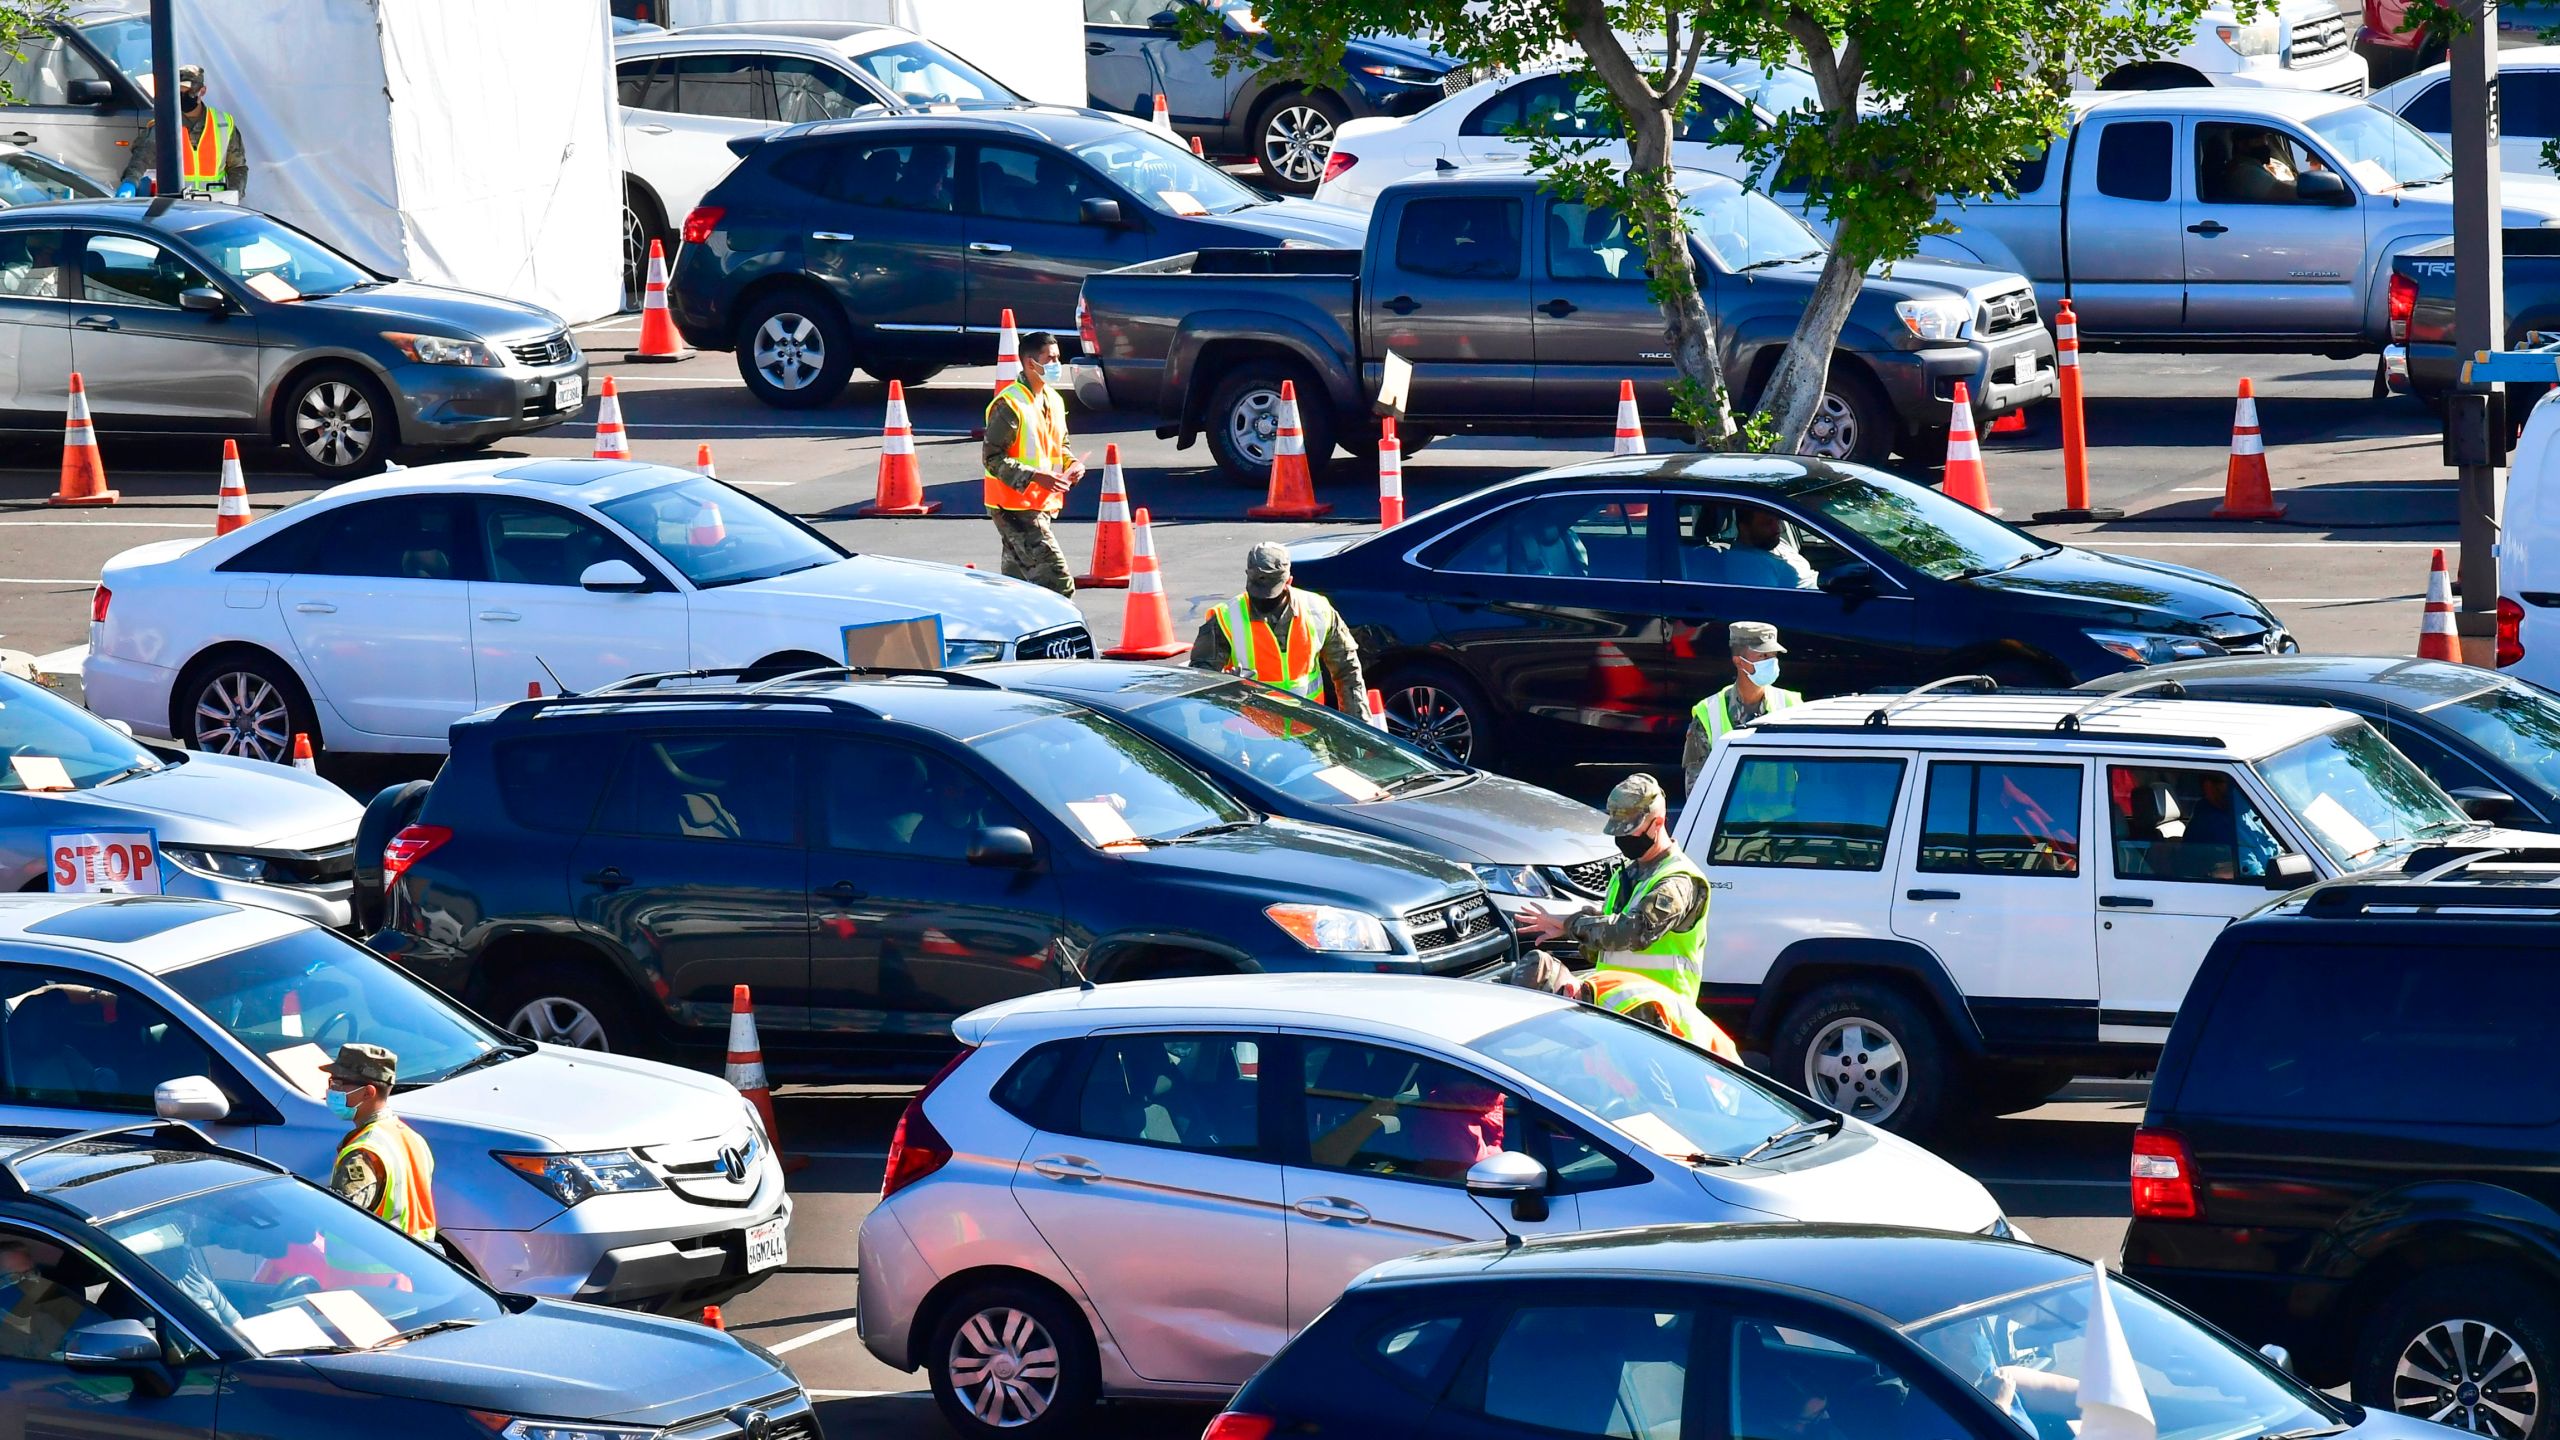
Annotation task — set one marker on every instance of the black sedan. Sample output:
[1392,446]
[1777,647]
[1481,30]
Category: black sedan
[1578,614]
[2493,742]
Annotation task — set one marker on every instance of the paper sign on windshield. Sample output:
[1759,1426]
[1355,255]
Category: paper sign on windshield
[2372,175]
[2341,825]
[353,1316]
[282,1332]
[268,285]
[1655,1134]
[302,1067]
[105,862]
[1101,822]
[1181,203]
[41,772]
[1351,783]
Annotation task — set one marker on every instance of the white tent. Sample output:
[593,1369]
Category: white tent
[1035,46]
[472,143]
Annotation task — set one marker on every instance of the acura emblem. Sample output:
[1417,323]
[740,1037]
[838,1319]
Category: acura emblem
[733,1163]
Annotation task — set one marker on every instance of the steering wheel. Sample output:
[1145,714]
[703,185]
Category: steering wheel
[343,1023]
[294,1287]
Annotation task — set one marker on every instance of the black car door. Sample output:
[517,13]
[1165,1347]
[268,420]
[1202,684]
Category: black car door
[1029,248]
[1583,1358]
[1853,636]
[884,234]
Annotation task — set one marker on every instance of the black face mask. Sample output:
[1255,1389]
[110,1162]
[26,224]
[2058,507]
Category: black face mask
[1634,846]
[1267,609]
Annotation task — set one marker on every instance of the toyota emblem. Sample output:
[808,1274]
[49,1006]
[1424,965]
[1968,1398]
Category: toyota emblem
[753,1424]
[733,1163]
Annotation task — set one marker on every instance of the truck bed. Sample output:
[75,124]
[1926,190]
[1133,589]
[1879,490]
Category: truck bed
[2532,295]
[1134,313]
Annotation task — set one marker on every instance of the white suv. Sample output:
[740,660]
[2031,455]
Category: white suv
[1904,916]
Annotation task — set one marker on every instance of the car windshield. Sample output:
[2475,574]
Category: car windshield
[1663,1094]
[2516,724]
[37,726]
[276,261]
[920,72]
[31,180]
[1112,785]
[297,999]
[1306,751]
[2358,797]
[2028,1352]
[292,1269]
[1744,229]
[1165,176]
[1941,538]
[717,536]
[1776,91]
[2383,151]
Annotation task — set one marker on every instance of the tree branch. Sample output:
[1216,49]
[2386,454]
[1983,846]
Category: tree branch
[1689,65]
[1815,42]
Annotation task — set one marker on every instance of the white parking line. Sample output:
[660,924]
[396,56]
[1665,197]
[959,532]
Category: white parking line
[67,661]
[2419,486]
[827,1332]
[114,524]
[2339,599]
[870,1394]
[13,580]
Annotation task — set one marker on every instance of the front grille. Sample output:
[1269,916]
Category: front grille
[1461,77]
[786,1417]
[1067,642]
[1438,927]
[318,868]
[2318,39]
[549,350]
[1588,880]
[2002,313]
[723,1170]
[2352,88]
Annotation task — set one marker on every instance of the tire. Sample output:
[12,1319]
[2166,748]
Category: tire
[905,372]
[2477,1315]
[1243,419]
[338,422]
[385,815]
[2008,1089]
[795,350]
[1440,710]
[2152,77]
[1293,137]
[1852,421]
[991,1329]
[1866,1049]
[642,222]
[567,1003]
[243,702]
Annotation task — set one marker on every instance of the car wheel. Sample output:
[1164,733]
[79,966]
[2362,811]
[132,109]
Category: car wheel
[1013,1361]
[339,423]
[1439,710]
[1867,1051]
[1852,421]
[907,372]
[576,1007]
[1243,419]
[245,704]
[2466,1346]
[640,225]
[1293,138]
[795,350]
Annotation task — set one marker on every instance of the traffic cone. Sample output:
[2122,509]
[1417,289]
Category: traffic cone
[289,1020]
[611,443]
[1146,622]
[707,529]
[659,342]
[231,510]
[2075,431]
[702,465]
[84,475]
[2247,493]
[2013,423]
[533,689]
[1164,115]
[1630,425]
[2435,631]
[1617,690]
[1377,709]
[1110,530]
[1964,479]
[900,490]
[711,1313]
[1196,148]
[302,760]
[1008,351]
[1390,475]
[745,1070]
[1293,491]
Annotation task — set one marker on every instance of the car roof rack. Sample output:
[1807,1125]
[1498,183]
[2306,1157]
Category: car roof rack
[761,679]
[2433,881]
[1882,715]
[2169,688]
[170,1134]
[669,687]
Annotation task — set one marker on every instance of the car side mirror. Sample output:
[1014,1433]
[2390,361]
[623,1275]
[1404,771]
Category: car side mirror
[1002,847]
[1511,1176]
[190,1097]
[203,300]
[2482,803]
[1165,20]
[1098,212]
[612,577]
[2290,872]
[1851,580]
[90,92]
[2321,187]
[2278,1356]
[120,727]
[119,1347]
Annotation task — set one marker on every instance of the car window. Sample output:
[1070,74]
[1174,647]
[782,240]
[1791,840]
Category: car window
[48,1290]
[1575,1162]
[297,998]
[2026,177]
[1793,1383]
[2432,110]
[2359,797]
[1374,1110]
[1558,537]
[2250,164]
[1031,185]
[40,72]
[1114,786]
[1917,526]
[2133,159]
[31,263]
[552,782]
[2449,770]
[283,548]
[1165,176]
[259,252]
[29,179]
[911,176]
[2170,823]
[807,90]
[2000,819]
[1818,811]
[897,800]
[1309,752]
[1590,242]
[2515,724]
[1740,228]
[1709,109]
[1543,105]
[531,543]
[76,1042]
[1182,1092]
[2381,150]
[647,84]
[1724,542]
[404,537]
[1463,237]
[716,536]
[920,72]
[1659,1092]
[120,270]
[1411,1350]
[1593,1370]
[722,87]
[712,788]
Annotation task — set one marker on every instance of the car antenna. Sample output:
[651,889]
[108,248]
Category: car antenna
[1075,966]
[556,685]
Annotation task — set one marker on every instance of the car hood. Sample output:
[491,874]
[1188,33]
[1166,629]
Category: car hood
[218,801]
[568,1362]
[1861,1176]
[974,605]
[2114,590]
[458,312]
[1396,50]
[1290,860]
[1491,820]
[1309,221]
[572,1100]
[1922,278]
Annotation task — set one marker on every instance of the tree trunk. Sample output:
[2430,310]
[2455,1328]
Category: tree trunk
[1686,322]
[1788,401]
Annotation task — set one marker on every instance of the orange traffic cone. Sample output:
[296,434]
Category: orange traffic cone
[1293,491]
[745,1070]
[2247,493]
[1008,351]
[289,1019]
[231,510]
[1630,426]
[1196,149]
[901,489]
[659,342]
[533,689]
[711,1313]
[1377,708]
[1390,476]
[702,465]
[1146,622]
[2013,423]
[1965,480]
[707,529]
[1164,115]
[84,475]
[611,443]
[2435,631]
[302,754]
[1110,530]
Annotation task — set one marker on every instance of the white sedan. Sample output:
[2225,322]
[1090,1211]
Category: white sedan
[373,617]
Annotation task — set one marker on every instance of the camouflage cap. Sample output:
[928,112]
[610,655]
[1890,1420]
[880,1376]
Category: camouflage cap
[1752,637]
[190,77]
[1266,570]
[1635,798]
[364,1065]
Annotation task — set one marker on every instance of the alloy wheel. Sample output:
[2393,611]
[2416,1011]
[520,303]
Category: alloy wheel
[559,1020]
[1857,1067]
[1833,435]
[1433,719]
[334,424]
[242,713]
[1004,1367]
[1253,426]
[2471,1375]
[789,351]
[1297,143]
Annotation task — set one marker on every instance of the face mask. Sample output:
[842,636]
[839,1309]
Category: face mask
[1634,846]
[1265,609]
[1053,372]
[1764,672]
[342,1105]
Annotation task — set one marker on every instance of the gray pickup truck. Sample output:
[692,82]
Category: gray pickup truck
[1521,311]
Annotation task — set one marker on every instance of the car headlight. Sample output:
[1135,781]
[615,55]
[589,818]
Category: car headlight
[572,1178]
[217,864]
[971,652]
[1940,319]
[509,1428]
[2254,40]
[2152,649]
[1513,880]
[1331,928]
[444,350]
[1402,74]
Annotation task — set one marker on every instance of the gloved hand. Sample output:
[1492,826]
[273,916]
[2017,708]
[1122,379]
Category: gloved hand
[126,191]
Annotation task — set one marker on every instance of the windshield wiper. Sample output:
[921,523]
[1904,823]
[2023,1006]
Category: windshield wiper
[2307,1432]
[147,767]
[1214,827]
[495,1055]
[1780,260]
[1976,572]
[439,1325]
[1819,1125]
[1427,777]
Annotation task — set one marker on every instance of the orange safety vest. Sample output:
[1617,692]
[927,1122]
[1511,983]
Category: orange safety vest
[1294,664]
[408,1174]
[1039,441]
[1628,993]
[202,162]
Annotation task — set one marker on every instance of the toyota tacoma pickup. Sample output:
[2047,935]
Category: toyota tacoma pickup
[2422,359]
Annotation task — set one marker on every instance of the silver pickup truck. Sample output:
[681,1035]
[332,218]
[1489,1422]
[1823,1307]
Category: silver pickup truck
[2214,219]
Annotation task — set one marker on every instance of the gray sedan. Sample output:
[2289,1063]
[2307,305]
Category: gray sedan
[204,318]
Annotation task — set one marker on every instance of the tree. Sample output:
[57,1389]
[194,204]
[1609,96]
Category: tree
[1917,99]
[23,22]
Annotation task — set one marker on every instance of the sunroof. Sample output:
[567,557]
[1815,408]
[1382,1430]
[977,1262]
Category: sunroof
[564,472]
[118,922]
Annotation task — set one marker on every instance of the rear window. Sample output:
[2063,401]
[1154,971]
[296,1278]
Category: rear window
[551,783]
[2370,1033]
[1826,813]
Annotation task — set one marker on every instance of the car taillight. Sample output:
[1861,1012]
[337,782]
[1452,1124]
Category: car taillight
[2510,632]
[2404,303]
[1337,164]
[1084,327]
[99,599]
[916,1149]
[409,847]
[2164,1177]
[1237,1425]
[699,225]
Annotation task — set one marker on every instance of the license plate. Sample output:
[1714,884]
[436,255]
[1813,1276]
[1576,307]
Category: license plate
[2026,369]
[569,394]
[768,1245]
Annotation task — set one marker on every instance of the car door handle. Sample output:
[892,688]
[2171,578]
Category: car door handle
[828,235]
[840,892]
[22,137]
[1559,308]
[316,607]
[2209,227]
[96,322]
[1066,1167]
[657,129]
[1327,1207]
[1404,305]
[1096,47]
[500,615]
[988,247]
[607,878]
[1932,894]
[2125,902]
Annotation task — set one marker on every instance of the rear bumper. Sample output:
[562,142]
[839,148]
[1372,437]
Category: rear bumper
[898,1278]
[1084,378]
[128,690]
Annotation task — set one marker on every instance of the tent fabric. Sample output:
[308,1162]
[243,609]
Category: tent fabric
[1035,46]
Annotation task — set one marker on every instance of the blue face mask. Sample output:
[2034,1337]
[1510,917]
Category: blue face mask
[341,1105]
[1053,372]
[1764,672]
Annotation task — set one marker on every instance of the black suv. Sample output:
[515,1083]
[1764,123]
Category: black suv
[875,853]
[2353,1143]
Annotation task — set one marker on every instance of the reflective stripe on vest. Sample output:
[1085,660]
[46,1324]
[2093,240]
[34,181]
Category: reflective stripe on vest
[408,1174]
[1039,443]
[1292,665]
[1715,713]
[1677,961]
[201,165]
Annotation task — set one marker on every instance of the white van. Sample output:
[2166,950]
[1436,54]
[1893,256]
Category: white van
[2529,552]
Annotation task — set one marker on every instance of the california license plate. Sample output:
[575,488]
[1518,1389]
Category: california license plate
[2026,369]
[569,394]
[768,1245]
